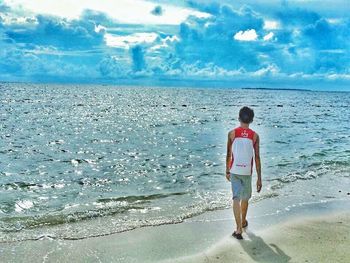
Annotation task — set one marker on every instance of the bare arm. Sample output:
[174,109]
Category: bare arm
[257,162]
[230,138]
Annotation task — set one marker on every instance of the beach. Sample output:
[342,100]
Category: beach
[312,239]
[311,233]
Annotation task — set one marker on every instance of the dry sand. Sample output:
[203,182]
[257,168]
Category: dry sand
[320,239]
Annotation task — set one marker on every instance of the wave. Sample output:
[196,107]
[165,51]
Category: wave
[135,198]
[106,207]
[76,226]
[312,171]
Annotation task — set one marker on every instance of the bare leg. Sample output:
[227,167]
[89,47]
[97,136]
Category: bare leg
[237,213]
[244,206]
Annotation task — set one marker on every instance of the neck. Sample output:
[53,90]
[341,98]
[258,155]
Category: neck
[244,125]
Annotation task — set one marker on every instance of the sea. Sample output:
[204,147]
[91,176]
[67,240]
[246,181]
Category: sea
[78,161]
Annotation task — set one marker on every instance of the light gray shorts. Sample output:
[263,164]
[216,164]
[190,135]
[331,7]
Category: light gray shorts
[241,186]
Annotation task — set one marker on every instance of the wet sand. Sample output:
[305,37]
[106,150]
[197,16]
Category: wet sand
[321,234]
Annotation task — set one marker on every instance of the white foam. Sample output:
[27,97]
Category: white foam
[23,205]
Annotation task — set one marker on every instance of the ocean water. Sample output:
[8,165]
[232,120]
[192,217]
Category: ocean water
[87,160]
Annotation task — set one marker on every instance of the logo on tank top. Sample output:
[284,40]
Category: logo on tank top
[244,134]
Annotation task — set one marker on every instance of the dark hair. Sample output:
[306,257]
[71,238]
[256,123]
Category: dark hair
[246,115]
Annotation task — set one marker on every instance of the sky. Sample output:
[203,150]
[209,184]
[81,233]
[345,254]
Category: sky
[299,43]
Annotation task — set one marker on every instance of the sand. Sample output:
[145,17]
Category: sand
[320,239]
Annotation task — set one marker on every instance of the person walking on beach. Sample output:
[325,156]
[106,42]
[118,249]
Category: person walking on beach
[242,148]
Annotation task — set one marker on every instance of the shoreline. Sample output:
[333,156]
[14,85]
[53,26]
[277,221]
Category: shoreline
[194,240]
[273,207]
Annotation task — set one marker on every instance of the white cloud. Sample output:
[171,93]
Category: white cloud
[333,51]
[165,42]
[270,25]
[338,76]
[9,19]
[100,28]
[126,41]
[269,70]
[125,11]
[248,35]
[334,20]
[268,36]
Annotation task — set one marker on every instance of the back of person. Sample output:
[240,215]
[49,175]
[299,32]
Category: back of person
[242,151]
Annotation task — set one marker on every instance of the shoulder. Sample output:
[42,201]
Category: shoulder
[255,137]
[255,133]
[231,134]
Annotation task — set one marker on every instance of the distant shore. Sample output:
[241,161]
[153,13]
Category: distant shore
[186,83]
[277,89]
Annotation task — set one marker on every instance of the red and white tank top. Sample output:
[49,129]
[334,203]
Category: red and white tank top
[242,151]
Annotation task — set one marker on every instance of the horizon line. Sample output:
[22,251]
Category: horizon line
[183,83]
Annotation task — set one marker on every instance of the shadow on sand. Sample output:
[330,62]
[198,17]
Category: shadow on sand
[259,251]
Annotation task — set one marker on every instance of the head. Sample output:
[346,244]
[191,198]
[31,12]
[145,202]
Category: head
[246,115]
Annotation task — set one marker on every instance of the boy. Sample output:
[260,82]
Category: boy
[242,146]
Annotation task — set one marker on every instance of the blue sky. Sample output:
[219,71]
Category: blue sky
[239,43]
